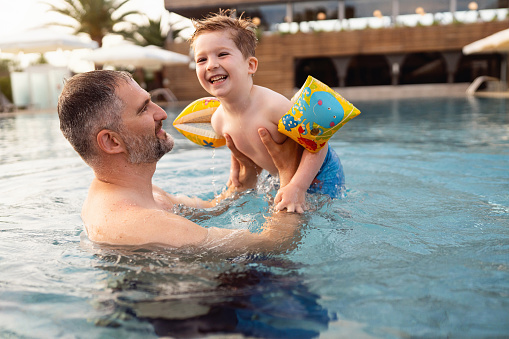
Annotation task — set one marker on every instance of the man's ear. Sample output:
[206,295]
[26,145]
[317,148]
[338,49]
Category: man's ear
[252,65]
[110,142]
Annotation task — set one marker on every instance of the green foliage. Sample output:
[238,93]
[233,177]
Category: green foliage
[9,65]
[4,66]
[259,33]
[154,33]
[5,87]
[96,18]
[41,61]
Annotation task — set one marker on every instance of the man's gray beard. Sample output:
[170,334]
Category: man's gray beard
[146,149]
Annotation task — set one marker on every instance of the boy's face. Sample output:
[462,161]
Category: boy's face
[220,66]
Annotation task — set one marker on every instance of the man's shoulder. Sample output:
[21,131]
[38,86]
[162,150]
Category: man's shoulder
[105,204]
[107,197]
[107,209]
[124,223]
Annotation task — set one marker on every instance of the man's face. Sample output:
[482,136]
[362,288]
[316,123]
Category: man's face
[141,126]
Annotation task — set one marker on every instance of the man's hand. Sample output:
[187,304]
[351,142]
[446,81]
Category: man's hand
[286,156]
[244,172]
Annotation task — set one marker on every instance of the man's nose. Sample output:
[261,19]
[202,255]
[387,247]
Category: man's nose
[160,113]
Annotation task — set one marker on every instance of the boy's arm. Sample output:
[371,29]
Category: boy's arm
[293,195]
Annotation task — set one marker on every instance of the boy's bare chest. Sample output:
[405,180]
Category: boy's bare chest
[244,133]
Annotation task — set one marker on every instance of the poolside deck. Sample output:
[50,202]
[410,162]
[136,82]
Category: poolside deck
[403,91]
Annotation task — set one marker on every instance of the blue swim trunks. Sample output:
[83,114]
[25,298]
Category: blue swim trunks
[330,179]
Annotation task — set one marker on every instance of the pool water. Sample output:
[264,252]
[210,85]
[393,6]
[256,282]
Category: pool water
[418,247]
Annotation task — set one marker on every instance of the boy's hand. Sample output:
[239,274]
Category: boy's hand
[292,198]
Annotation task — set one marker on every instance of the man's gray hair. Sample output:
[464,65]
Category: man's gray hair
[87,105]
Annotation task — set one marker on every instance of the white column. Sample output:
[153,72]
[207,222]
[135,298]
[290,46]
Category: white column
[289,11]
[341,65]
[451,60]
[341,10]
[453,6]
[395,12]
[395,61]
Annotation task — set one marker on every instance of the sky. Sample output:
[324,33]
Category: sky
[19,15]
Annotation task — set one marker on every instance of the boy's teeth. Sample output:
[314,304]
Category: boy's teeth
[217,78]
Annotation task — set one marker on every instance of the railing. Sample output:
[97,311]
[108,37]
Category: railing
[165,93]
[409,20]
[496,84]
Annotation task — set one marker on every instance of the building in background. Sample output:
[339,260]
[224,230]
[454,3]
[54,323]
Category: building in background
[351,43]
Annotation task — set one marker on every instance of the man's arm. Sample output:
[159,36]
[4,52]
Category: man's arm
[286,156]
[281,228]
[166,228]
[297,168]
[280,233]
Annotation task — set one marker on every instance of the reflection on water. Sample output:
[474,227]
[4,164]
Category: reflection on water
[184,295]
[436,124]
[417,248]
[29,137]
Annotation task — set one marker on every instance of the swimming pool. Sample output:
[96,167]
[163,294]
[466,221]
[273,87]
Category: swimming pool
[419,247]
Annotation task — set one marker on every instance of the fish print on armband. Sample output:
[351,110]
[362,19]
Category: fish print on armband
[322,113]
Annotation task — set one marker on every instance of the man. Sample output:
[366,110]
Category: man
[115,127]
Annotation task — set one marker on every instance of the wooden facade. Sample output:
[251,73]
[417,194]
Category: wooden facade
[278,53]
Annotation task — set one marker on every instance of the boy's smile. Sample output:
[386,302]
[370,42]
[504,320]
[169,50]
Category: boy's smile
[217,78]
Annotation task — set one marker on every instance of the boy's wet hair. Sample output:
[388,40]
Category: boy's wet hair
[243,30]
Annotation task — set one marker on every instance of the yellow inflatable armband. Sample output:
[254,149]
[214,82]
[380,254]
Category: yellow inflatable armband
[318,112]
[194,123]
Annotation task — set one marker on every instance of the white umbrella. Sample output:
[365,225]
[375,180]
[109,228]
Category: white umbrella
[132,55]
[495,43]
[498,42]
[41,41]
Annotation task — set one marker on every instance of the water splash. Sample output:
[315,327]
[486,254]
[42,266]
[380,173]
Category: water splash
[213,168]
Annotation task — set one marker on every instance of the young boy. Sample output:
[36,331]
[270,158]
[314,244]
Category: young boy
[224,52]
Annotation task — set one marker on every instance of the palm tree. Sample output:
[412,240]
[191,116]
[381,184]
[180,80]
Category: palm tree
[155,33]
[97,18]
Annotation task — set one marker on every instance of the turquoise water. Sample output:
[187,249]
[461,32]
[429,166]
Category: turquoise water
[419,247]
